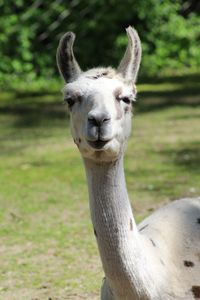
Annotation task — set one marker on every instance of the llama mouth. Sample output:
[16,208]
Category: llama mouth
[98,145]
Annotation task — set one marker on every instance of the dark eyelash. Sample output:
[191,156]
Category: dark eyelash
[126,100]
[72,100]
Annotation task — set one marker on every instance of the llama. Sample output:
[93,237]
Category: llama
[160,258]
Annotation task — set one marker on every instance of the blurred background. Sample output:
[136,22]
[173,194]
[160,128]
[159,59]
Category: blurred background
[30,32]
[47,248]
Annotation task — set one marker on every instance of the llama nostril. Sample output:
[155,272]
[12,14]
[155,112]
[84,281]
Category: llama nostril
[92,121]
[106,119]
[98,119]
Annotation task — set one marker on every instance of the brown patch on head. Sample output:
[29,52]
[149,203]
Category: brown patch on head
[131,225]
[97,73]
[196,291]
[188,263]
[109,73]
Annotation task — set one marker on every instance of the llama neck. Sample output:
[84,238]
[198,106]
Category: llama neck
[120,244]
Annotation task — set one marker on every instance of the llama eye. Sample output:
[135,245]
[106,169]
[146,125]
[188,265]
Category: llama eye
[70,101]
[126,100]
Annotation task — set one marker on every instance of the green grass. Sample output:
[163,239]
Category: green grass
[47,249]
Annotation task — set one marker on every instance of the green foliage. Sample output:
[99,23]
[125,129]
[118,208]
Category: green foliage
[29,34]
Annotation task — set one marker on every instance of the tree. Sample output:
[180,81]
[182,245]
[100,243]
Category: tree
[29,33]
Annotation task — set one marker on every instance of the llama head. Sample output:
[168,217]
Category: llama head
[100,100]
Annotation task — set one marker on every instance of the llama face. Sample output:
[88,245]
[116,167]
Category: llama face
[100,100]
[100,105]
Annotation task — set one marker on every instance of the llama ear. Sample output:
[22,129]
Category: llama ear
[130,63]
[66,60]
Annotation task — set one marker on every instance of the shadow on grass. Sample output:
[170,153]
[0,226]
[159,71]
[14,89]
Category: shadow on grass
[34,112]
[152,100]
[187,157]
[182,79]
[181,168]
[148,104]
[191,116]
[186,93]
[25,121]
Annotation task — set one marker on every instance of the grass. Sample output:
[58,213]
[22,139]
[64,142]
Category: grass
[47,249]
